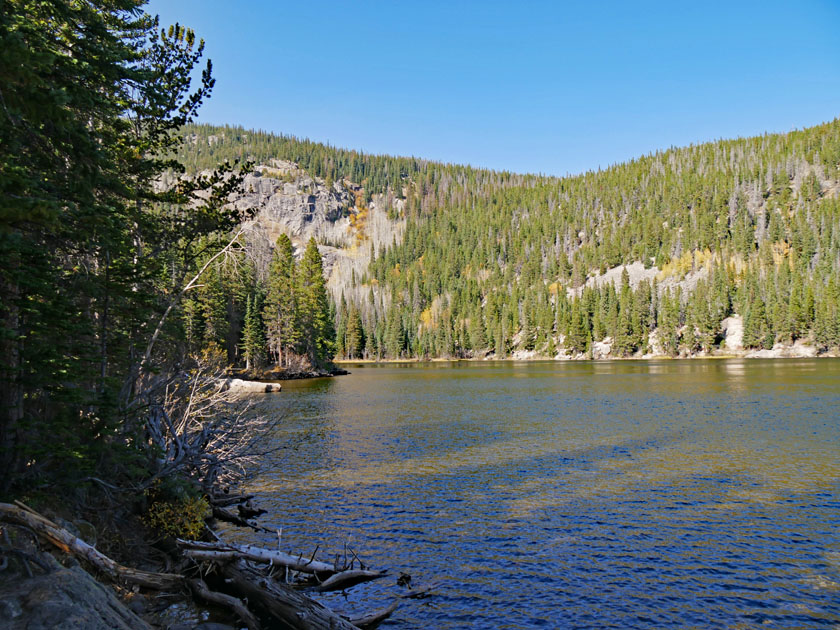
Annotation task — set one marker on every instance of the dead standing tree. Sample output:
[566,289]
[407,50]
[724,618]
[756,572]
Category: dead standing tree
[200,429]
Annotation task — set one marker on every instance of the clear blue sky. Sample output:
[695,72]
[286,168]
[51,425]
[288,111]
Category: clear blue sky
[547,87]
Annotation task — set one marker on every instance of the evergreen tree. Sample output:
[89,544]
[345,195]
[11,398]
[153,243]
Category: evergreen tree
[355,334]
[94,95]
[394,336]
[668,322]
[280,313]
[253,335]
[576,338]
[341,329]
[478,337]
[756,331]
[624,334]
[316,325]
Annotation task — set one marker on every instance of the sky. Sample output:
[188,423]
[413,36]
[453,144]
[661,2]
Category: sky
[540,87]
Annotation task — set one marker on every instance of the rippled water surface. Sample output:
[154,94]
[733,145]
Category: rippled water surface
[622,494]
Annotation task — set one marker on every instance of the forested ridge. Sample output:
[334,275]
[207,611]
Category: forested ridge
[123,262]
[492,262]
[135,282]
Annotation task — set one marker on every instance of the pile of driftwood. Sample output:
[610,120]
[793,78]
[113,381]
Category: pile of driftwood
[263,587]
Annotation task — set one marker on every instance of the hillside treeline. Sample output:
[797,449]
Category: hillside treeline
[494,262]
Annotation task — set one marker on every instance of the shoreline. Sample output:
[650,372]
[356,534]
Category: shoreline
[546,359]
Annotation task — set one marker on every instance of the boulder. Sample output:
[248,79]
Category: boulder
[59,598]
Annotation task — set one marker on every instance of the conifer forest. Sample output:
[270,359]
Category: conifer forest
[162,280]
[492,263]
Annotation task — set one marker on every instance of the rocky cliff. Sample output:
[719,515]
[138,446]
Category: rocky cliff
[347,230]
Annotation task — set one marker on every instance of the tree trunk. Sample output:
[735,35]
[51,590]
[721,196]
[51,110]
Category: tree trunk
[285,606]
[11,390]
[67,542]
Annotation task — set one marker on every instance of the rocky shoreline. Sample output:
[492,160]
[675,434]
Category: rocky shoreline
[270,381]
[731,347]
[171,583]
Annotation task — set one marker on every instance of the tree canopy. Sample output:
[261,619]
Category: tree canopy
[93,253]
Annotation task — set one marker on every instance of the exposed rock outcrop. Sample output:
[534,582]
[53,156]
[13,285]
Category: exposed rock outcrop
[240,386]
[733,333]
[638,273]
[60,598]
[291,202]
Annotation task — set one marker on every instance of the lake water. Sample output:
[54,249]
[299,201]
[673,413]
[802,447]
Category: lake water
[684,494]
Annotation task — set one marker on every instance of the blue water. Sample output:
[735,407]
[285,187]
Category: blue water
[684,494]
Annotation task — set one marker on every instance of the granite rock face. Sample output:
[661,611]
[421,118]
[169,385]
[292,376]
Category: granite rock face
[59,598]
[301,208]
[287,200]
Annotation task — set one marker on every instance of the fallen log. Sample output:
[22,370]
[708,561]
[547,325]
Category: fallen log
[239,386]
[419,592]
[224,501]
[278,602]
[45,529]
[201,590]
[229,517]
[249,510]
[372,620]
[226,552]
[346,579]
[274,600]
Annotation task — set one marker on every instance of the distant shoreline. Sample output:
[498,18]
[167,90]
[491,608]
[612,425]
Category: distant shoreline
[536,359]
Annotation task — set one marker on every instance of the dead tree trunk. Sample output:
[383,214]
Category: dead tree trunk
[67,542]
[278,602]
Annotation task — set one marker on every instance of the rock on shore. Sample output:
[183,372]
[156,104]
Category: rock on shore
[60,598]
[238,385]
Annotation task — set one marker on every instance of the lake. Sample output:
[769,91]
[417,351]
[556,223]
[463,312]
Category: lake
[701,493]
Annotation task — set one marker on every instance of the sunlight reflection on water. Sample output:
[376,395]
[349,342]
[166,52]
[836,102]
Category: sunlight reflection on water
[628,494]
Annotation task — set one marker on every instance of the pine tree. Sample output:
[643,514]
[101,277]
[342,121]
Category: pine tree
[280,313]
[528,335]
[355,334]
[316,324]
[668,323]
[253,335]
[624,335]
[394,336]
[94,96]
[478,338]
[212,301]
[756,330]
[578,330]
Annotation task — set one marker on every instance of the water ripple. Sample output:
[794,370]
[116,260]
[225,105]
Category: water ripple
[612,495]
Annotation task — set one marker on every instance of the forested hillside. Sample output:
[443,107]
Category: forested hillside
[494,263]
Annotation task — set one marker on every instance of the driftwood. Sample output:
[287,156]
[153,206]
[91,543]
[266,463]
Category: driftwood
[277,602]
[346,579]
[200,589]
[239,386]
[248,510]
[372,620]
[19,514]
[224,552]
[229,517]
[226,500]
[419,592]
[280,603]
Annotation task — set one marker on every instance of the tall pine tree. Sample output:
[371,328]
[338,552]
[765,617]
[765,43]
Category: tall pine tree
[316,324]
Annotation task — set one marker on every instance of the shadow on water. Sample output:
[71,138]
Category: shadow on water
[631,494]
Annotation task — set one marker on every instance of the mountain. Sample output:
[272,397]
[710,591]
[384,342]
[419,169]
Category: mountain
[725,247]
